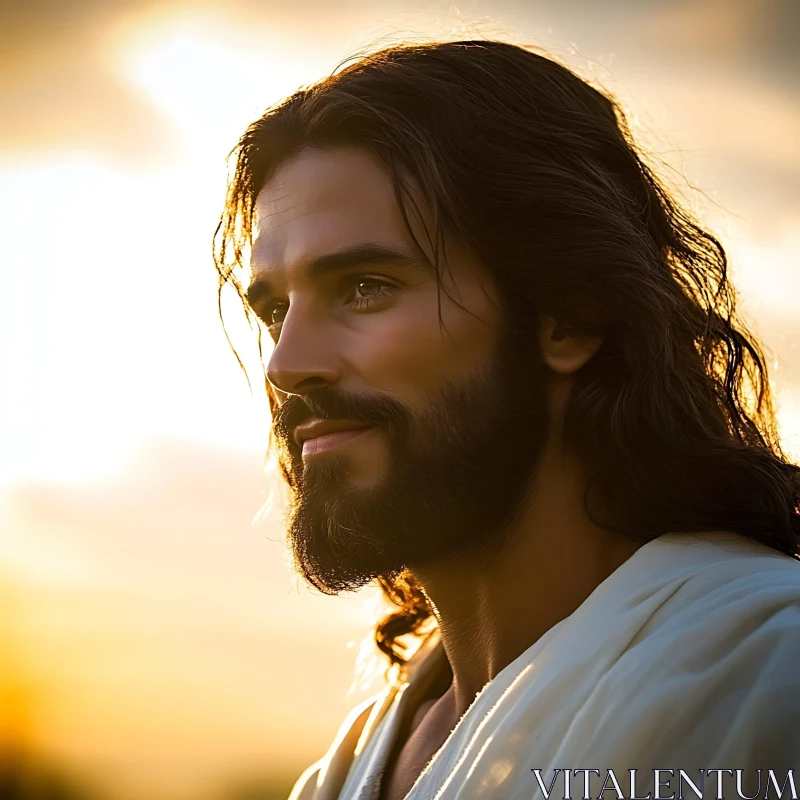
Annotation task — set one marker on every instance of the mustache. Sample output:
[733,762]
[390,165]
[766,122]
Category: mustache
[333,403]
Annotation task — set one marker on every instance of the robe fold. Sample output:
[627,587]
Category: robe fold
[686,657]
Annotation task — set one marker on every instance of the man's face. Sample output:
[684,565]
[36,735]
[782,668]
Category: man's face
[408,441]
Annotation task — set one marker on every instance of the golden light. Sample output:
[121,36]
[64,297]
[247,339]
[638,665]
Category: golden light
[157,640]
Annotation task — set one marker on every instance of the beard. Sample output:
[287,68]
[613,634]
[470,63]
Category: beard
[459,474]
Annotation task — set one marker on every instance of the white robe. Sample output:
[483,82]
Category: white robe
[686,657]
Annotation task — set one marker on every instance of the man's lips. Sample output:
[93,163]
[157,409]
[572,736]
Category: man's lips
[328,429]
[330,441]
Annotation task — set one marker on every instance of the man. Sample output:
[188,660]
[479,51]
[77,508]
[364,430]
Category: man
[509,384]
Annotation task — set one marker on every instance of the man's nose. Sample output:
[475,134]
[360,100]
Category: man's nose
[303,359]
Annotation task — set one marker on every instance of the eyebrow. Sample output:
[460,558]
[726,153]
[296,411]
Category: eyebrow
[357,256]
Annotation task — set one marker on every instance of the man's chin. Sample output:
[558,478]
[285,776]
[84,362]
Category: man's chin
[334,559]
[338,532]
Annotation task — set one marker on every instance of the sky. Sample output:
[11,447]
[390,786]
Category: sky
[158,644]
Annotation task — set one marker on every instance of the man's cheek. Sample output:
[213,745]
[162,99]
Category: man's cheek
[405,356]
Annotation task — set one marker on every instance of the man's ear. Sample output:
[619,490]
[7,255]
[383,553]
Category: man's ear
[565,351]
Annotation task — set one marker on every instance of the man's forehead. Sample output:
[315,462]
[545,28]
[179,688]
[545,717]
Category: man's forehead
[324,201]
[281,241]
[313,180]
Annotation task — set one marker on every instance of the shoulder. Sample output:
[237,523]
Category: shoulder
[732,624]
[713,671]
[725,573]
[728,616]
[725,592]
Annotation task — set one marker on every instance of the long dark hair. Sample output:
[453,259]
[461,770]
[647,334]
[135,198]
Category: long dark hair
[536,173]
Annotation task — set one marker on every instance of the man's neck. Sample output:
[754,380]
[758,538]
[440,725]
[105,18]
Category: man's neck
[491,609]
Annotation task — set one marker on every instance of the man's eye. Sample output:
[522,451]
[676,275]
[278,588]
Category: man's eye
[364,291]
[277,313]
[369,288]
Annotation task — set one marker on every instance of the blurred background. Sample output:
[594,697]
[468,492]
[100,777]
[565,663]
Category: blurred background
[153,642]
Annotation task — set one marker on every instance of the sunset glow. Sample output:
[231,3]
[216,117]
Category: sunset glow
[159,645]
